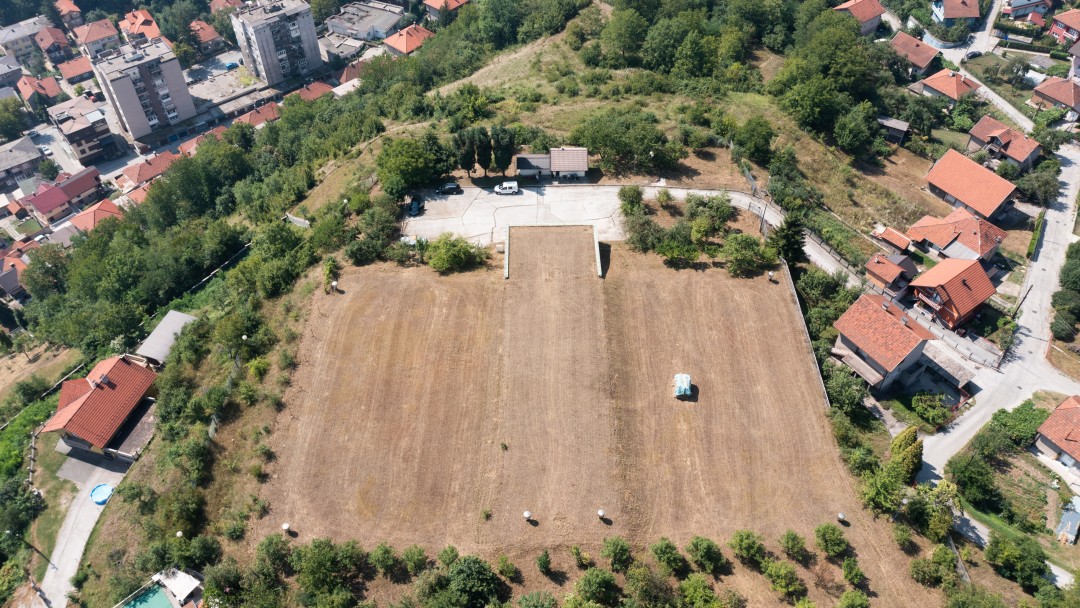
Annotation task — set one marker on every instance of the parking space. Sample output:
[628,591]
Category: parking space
[483,216]
[214,66]
[49,136]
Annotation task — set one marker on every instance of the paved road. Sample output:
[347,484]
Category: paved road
[78,523]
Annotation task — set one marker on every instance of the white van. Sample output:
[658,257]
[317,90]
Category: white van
[507,188]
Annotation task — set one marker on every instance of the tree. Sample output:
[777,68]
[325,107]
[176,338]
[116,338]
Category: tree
[904,440]
[49,169]
[474,581]
[697,592]
[321,9]
[616,549]
[784,579]
[647,588]
[854,598]
[598,586]
[1017,557]
[404,164]
[794,546]
[908,463]
[623,37]
[856,129]
[499,22]
[11,118]
[465,149]
[972,596]
[671,561]
[1008,170]
[745,255]
[748,548]
[695,57]
[450,253]
[384,559]
[662,43]
[503,148]
[788,239]
[448,556]
[627,141]
[881,490]
[754,139]
[543,562]
[814,103]
[846,390]
[706,555]
[537,599]
[853,574]
[482,144]
[830,539]
[1040,186]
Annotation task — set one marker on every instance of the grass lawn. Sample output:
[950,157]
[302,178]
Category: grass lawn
[900,405]
[30,226]
[952,138]
[58,494]
[922,259]
[1017,96]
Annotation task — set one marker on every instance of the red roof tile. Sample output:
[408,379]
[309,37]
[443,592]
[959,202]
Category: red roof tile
[971,183]
[879,333]
[408,39]
[267,113]
[1061,90]
[883,268]
[150,168]
[961,226]
[66,7]
[1015,144]
[47,87]
[140,23]
[313,91]
[951,84]
[75,67]
[452,5]
[962,284]
[1070,18]
[94,31]
[914,50]
[93,215]
[960,9]
[204,32]
[138,195]
[862,10]
[49,36]
[893,237]
[1063,427]
[108,395]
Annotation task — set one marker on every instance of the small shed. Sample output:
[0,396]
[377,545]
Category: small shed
[1069,526]
[569,161]
[533,165]
[896,131]
[683,388]
[157,345]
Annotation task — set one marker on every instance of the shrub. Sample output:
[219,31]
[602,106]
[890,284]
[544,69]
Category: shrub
[448,556]
[450,253]
[748,548]
[745,255]
[617,550]
[506,568]
[543,562]
[930,407]
[671,561]
[852,573]
[697,592]
[1020,558]
[925,572]
[598,586]
[537,599]
[581,558]
[415,558]
[258,367]
[854,599]
[383,558]
[783,578]
[1063,326]
[706,555]
[794,546]
[902,536]
[631,200]
[663,197]
[472,580]
[754,139]
[830,539]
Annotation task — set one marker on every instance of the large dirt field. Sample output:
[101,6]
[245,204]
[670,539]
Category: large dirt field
[410,384]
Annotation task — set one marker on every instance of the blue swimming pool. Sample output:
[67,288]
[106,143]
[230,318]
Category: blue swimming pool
[153,597]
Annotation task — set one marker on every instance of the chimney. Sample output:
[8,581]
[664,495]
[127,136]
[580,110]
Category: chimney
[885,306]
[965,283]
[904,320]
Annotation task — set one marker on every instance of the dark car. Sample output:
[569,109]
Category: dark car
[416,206]
[973,54]
[449,188]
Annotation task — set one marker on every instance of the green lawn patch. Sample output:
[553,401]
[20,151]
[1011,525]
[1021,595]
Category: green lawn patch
[30,226]
[57,494]
[1017,96]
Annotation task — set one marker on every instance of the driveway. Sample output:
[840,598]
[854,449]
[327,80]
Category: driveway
[87,471]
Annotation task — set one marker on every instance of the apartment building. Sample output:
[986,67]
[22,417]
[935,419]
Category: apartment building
[82,123]
[17,39]
[145,86]
[277,39]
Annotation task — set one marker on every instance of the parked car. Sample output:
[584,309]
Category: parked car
[973,54]
[46,150]
[232,65]
[449,188]
[416,206]
[507,188]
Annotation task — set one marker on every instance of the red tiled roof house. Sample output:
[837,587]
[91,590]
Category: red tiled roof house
[261,115]
[953,290]
[139,25]
[893,237]
[210,41]
[407,40]
[53,202]
[93,410]
[952,12]
[1066,27]
[891,273]
[38,93]
[70,14]
[97,37]
[918,53]
[949,84]
[965,183]
[867,12]
[960,235]
[1055,92]
[435,8]
[76,70]
[1003,142]
[878,341]
[54,44]
[1059,436]
[95,214]
[145,170]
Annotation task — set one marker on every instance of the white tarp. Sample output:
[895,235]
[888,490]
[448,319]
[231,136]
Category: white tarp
[682,385]
[178,582]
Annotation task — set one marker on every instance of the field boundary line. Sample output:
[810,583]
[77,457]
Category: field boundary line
[596,249]
[506,255]
[806,334]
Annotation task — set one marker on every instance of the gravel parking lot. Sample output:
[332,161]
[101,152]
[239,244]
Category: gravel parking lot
[483,216]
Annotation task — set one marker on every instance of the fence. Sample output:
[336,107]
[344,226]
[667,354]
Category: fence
[806,333]
[832,253]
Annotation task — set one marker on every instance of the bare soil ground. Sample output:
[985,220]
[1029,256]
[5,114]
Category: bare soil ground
[410,382]
[41,361]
